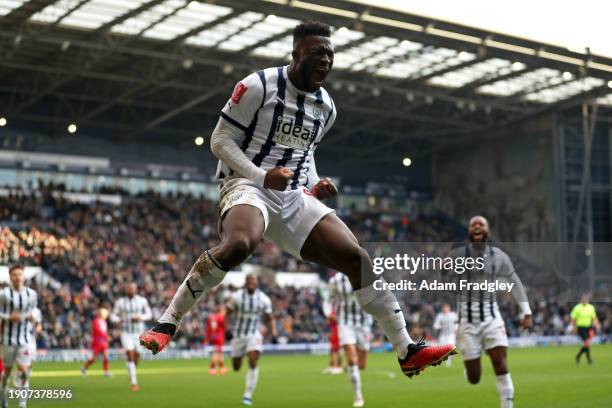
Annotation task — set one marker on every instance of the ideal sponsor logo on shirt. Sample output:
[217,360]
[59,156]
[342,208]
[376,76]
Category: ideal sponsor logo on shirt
[289,134]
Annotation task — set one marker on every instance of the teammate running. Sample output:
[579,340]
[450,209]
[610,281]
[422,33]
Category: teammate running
[248,304]
[480,323]
[19,319]
[132,312]
[445,324]
[584,322]
[99,342]
[265,140]
[215,336]
[354,331]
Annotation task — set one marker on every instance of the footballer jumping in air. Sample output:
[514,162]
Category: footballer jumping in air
[132,312]
[265,141]
[481,326]
[20,316]
[248,305]
[99,342]
[354,330]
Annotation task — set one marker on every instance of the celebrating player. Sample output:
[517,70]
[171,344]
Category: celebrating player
[248,304]
[132,312]
[354,331]
[265,141]
[99,341]
[480,323]
[584,321]
[19,319]
[445,324]
[215,336]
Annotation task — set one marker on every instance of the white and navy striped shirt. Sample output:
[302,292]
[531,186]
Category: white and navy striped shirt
[19,333]
[126,309]
[249,308]
[282,125]
[477,306]
[446,324]
[348,311]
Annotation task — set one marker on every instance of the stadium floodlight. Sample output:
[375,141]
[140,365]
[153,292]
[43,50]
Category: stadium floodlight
[407,162]
[199,141]
[3,121]
[72,128]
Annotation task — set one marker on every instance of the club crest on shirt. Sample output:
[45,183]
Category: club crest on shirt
[317,113]
[239,90]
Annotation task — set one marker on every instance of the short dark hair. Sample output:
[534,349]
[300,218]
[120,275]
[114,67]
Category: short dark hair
[14,267]
[311,27]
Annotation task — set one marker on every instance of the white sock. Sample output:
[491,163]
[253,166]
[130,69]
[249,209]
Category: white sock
[383,305]
[204,275]
[355,377]
[24,384]
[251,382]
[131,366]
[505,389]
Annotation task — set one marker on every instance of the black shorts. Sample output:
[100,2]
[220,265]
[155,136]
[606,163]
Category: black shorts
[584,333]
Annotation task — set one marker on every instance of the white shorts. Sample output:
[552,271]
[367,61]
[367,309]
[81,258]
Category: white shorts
[22,355]
[360,336]
[450,339]
[289,215]
[242,345]
[130,341]
[472,338]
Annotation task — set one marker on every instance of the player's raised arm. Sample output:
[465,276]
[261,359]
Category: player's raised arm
[236,116]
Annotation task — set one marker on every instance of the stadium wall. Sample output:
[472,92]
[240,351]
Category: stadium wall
[508,177]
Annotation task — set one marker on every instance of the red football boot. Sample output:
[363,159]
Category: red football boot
[420,357]
[158,337]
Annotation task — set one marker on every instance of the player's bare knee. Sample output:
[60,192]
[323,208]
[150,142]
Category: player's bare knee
[234,250]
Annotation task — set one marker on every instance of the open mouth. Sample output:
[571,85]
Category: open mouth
[319,75]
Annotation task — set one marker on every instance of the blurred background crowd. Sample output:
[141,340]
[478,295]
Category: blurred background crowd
[93,249]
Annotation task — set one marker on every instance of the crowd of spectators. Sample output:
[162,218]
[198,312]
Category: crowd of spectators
[93,249]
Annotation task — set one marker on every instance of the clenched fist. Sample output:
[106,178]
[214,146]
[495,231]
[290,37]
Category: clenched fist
[278,178]
[324,189]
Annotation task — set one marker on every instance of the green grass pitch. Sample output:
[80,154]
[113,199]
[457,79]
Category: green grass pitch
[543,377]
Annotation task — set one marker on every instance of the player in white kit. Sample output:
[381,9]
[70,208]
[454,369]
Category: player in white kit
[354,330]
[20,316]
[248,305]
[445,324]
[481,326]
[265,141]
[132,312]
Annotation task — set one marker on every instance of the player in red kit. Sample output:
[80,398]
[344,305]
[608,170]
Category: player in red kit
[335,357]
[215,336]
[99,341]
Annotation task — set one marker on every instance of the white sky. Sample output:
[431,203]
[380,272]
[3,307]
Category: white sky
[571,24]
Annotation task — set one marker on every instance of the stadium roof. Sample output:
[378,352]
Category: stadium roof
[161,69]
